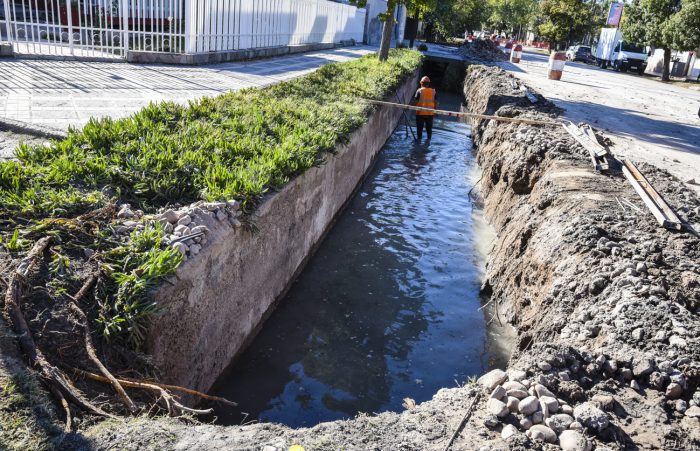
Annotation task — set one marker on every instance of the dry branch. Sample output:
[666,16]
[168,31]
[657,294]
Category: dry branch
[52,376]
[90,348]
[174,408]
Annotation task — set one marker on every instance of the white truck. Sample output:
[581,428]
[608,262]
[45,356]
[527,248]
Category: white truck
[622,56]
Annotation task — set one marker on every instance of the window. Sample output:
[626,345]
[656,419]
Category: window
[634,48]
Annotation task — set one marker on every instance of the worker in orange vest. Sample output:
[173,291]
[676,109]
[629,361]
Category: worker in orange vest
[425,97]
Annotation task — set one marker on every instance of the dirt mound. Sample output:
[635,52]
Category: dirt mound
[482,51]
[605,301]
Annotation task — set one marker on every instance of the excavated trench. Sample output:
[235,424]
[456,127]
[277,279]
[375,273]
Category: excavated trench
[604,303]
[389,306]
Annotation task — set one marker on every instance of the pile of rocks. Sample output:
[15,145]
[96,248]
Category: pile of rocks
[522,404]
[186,228]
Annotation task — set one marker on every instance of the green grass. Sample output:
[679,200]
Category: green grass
[239,145]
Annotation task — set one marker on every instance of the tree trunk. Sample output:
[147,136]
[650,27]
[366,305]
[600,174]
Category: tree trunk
[386,35]
[667,65]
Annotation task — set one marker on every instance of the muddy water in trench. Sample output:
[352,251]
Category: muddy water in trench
[388,307]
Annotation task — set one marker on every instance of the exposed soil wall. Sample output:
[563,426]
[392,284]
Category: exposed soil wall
[217,300]
[604,301]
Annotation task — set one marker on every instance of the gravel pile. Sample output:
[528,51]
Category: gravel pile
[482,51]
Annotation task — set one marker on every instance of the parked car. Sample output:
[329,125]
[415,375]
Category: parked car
[580,53]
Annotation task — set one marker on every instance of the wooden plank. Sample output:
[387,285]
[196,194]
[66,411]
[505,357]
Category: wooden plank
[590,134]
[576,134]
[663,213]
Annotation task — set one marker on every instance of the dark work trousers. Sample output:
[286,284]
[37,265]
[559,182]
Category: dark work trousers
[426,121]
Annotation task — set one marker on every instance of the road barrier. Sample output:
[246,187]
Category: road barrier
[508,47]
[557,60]
[516,54]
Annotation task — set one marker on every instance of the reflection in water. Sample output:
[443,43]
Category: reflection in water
[388,306]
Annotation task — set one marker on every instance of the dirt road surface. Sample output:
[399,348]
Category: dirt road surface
[646,119]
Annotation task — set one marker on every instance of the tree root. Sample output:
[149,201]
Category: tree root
[173,407]
[54,378]
[90,348]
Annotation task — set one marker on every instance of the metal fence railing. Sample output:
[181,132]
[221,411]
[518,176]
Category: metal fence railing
[112,28]
[221,25]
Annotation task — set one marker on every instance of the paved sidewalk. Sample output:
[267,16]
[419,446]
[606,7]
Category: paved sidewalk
[59,94]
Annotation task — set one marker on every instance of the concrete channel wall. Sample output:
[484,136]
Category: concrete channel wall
[218,300]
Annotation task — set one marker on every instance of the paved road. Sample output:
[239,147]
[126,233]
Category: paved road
[59,94]
[646,119]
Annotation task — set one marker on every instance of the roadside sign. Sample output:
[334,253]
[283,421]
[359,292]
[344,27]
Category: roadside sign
[615,14]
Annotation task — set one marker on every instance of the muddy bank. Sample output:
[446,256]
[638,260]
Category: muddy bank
[604,301]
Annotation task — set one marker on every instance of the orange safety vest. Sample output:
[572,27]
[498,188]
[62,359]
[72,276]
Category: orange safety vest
[426,99]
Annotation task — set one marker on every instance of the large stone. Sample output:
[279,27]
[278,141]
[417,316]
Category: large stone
[573,441]
[541,390]
[537,417]
[513,404]
[491,421]
[508,431]
[125,213]
[497,408]
[560,422]
[528,405]
[591,416]
[525,423]
[520,394]
[493,378]
[169,216]
[182,230]
[514,385]
[542,432]
[642,367]
[605,402]
[674,390]
[498,393]
[184,220]
[693,412]
[181,247]
[551,403]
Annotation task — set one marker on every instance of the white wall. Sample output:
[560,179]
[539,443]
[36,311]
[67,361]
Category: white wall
[373,27]
[223,25]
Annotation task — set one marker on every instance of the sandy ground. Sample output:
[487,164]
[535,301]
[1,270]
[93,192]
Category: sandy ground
[646,119]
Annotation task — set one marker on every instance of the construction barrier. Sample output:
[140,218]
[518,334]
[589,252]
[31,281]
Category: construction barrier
[557,60]
[516,54]
[508,47]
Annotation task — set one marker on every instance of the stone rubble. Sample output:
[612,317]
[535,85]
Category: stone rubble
[185,227]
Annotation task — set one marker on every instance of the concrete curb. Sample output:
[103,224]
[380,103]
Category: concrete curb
[228,56]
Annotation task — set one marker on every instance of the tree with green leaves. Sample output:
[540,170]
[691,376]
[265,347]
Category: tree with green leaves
[663,24]
[453,17]
[564,21]
[511,15]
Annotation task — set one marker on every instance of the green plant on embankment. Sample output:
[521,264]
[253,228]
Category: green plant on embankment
[238,145]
